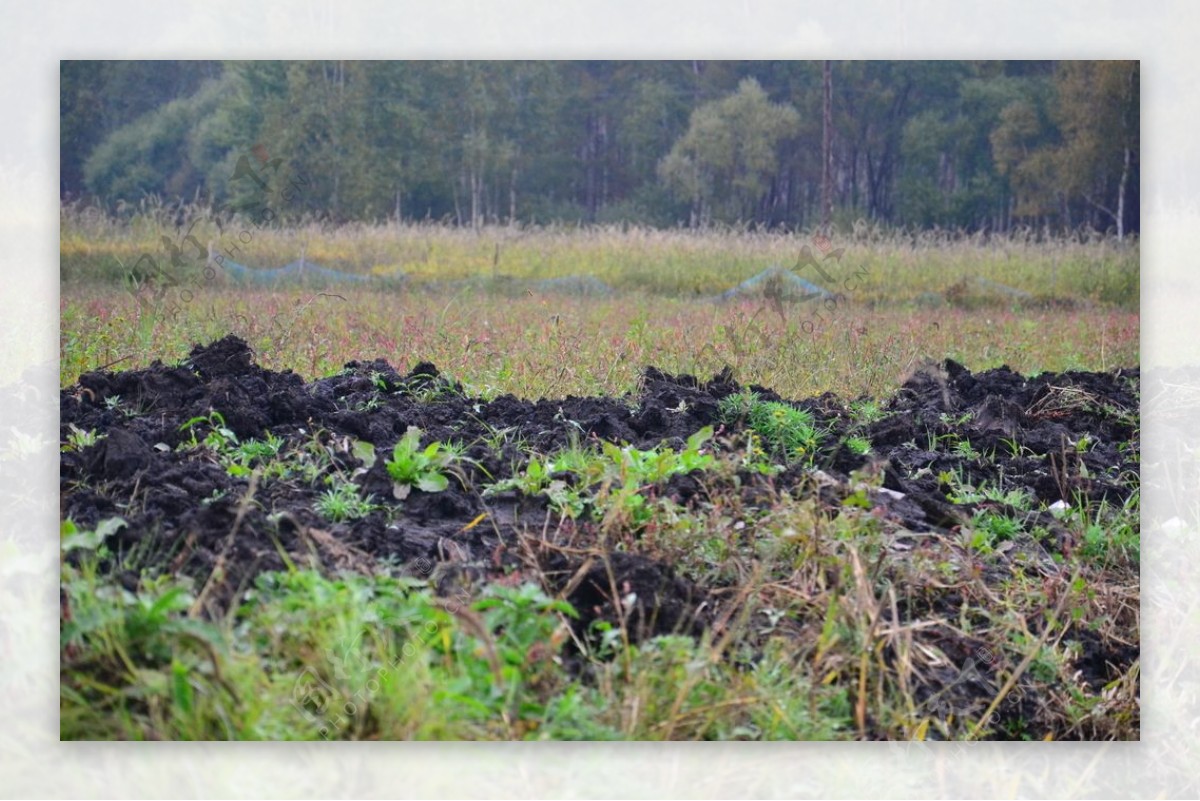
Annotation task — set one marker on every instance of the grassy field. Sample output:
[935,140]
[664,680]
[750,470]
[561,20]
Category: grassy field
[551,345]
[912,298]
[809,657]
[895,267]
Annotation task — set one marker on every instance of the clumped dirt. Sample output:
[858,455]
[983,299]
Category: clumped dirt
[187,514]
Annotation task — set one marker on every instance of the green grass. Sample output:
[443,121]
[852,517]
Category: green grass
[309,657]
[343,502]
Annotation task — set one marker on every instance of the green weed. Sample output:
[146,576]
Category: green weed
[411,466]
[784,429]
[343,502]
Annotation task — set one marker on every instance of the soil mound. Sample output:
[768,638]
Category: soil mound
[193,510]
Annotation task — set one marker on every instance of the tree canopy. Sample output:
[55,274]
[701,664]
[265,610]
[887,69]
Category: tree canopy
[973,145]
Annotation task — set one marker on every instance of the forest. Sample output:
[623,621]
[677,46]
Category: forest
[973,146]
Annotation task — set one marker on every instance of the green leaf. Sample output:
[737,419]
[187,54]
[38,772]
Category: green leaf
[411,439]
[175,599]
[181,688]
[536,471]
[859,498]
[364,452]
[433,482]
[699,438]
[73,538]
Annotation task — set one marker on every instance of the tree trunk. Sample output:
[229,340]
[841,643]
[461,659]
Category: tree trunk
[512,197]
[476,196]
[1121,198]
[457,207]
[827,151]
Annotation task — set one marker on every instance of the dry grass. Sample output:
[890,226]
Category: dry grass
[897,267]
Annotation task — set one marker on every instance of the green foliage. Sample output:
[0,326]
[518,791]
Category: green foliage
[988,529]
[220,437]
[610,480]
[1120,542]
[72,539]
[860,446]
[785,430]
[375,657]
[411,466]
[736,407]
[78,439]
[251,453]
[631,465]
[724,163]
[947,143]
[238,458]
[865,412]
[161,152]
[964,449]
[1109,535]
[342,502]
[139,650]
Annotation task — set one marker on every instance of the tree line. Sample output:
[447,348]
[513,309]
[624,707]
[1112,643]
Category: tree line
[971,145]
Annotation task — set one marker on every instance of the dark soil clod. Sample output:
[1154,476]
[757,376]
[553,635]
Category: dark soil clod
[1071,436]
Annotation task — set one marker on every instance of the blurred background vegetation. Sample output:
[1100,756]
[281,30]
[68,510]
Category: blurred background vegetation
[960,145]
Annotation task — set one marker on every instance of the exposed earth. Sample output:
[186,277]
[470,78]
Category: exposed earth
[186,513]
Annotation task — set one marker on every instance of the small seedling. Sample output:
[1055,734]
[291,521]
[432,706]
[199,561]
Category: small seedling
[737,406]
[988,529]
[369,405]
[342,502]
[216,495]
[79,439]
[533,480]
[860,446]
[238,458]
[1017,498]
[865,412]
[1016,449]
[955,420]
[241,458]
[410,466]
[219,438]
[965,450]
[784,429]
[626,468]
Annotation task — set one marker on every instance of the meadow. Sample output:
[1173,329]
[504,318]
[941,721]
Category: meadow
[450,296]
[476,514]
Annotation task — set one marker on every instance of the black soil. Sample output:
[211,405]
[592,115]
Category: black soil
[186,514]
